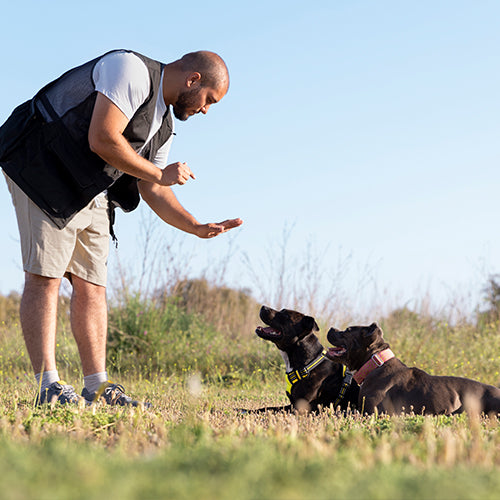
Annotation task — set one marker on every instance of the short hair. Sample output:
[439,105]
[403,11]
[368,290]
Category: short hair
[212,68]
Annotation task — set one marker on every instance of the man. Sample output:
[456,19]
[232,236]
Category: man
[94,139]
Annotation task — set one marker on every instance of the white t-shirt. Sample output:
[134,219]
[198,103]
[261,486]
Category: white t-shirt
[124,79]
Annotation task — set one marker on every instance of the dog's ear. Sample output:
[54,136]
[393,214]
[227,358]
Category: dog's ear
[309,323]
[373,329]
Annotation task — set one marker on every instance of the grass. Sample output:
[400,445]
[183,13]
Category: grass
[196,443]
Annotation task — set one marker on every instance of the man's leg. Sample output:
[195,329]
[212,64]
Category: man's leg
[89,322]
[38,314]
[39,320]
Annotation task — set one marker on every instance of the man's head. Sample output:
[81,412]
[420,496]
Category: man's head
[202,80]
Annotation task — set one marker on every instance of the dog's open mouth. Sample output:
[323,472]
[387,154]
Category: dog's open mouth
[335,352]
[268,333]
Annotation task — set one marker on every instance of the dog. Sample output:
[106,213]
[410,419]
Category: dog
[313,380]
[389,386]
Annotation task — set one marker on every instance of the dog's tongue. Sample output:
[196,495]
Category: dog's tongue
[268,330]
[336,351]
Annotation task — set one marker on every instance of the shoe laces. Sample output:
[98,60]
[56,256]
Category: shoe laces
[69,392]
[116,392]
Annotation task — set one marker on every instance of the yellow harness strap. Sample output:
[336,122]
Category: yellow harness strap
[294,376]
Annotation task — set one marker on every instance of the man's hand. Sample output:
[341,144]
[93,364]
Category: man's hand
[176,173]
[211,230]
[164,203]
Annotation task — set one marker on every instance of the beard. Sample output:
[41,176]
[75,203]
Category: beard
[185,104]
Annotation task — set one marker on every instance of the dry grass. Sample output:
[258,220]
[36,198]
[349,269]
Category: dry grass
[195,443]
[199,364]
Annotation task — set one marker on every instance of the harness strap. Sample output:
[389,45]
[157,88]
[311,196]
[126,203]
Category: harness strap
[346,383]
[294,376]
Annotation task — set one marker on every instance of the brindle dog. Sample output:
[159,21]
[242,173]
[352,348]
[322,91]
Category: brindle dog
[389,386]
[313,380]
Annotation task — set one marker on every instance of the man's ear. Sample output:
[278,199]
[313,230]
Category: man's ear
[193,79]
[310,324]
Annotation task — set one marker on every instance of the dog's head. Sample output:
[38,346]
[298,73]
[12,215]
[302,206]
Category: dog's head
[286,327]
[354,346]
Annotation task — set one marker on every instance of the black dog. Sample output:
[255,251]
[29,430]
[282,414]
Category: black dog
[313,380]
[389,386]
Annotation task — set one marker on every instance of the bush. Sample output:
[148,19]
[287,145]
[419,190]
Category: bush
[230,311]
[9,308]
[491,298]
[162,337]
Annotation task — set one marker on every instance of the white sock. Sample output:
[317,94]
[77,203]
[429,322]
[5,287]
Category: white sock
[48,377]
[94,381]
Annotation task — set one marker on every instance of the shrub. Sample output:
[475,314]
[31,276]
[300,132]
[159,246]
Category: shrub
[162,337]
[491,298]
[230,311]
[9,308]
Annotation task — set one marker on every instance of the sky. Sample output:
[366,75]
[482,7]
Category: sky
[359,141]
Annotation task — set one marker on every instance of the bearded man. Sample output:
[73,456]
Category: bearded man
[92,140]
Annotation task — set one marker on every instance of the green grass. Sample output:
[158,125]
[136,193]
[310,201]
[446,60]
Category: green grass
[200,446]
[195,443]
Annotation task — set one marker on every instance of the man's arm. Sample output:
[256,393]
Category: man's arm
[107,140]
[164,203]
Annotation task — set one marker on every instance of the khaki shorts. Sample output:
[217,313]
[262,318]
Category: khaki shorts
[81,248]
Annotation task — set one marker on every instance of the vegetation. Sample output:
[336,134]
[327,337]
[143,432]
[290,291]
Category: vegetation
[189,353]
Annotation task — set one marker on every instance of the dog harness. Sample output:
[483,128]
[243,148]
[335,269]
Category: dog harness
[295,375]
[375,361]
[345,385]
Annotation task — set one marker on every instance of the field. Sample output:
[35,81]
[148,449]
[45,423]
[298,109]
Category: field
[196,443]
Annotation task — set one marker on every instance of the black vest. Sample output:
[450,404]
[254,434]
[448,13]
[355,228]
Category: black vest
[44,145]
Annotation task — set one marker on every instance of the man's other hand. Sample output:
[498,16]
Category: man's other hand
[176,173]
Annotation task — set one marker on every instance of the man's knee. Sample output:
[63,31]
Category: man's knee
[40,295]
[87,290]
[33,282]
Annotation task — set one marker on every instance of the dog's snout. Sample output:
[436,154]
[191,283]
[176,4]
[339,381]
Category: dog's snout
[333,331]
[267,314]
[331,335]
[264,312]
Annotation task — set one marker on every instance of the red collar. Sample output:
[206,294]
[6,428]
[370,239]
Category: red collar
[374,362]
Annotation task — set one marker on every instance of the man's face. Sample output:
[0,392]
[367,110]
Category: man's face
[195,100]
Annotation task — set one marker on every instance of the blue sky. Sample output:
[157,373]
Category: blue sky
[365,130]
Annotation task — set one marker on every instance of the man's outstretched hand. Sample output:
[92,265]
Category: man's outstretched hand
[211,230]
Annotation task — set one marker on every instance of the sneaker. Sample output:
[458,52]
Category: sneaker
[58,391]
[112,394]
